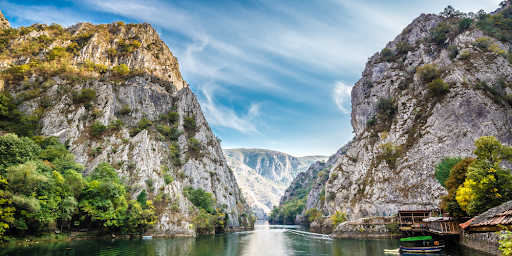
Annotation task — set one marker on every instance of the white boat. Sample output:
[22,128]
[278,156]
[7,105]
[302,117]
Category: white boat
[147,237]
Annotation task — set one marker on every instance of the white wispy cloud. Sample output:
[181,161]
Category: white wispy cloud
[341,95]
[41,14]
[223,116]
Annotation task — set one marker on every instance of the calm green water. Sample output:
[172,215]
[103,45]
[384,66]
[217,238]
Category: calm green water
[264,240]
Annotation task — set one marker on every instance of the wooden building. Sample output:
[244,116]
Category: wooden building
[442,225]
[412,220]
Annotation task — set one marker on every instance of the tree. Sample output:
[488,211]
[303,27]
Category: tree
[487,185]
[456,179]
[200,198]
[465,23]
[189,123]
[5,103]
[138,218]
[104,197]
[6,210]
[443,169]
[142,197]
[338,218]
[16,150]
[121,70]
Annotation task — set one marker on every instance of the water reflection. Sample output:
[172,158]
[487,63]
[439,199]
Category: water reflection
[264,240]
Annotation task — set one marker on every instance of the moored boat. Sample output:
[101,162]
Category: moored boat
[420,244]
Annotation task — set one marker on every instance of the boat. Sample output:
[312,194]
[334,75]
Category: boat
[392,251]
[420,244]
[147,237]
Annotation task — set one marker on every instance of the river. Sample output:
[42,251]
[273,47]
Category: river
[274,240]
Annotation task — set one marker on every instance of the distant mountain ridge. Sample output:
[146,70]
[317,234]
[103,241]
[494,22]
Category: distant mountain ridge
[263,174]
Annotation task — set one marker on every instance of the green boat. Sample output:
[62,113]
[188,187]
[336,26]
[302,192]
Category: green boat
[420,244]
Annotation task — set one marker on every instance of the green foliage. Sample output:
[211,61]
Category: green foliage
[17,150]
[338,218]
[171,132]
[112,52]
[104,199]
[438,87]
[6,210]
[498,26]
[52,152]
[483,42]
[84,96]
[497,91]
[144,123]
[141,125]
[57,53]
[204,222]
[464,55]
[372,121]
[100,68]
[312,214]
[487,185]
[455,180]
[444,167]
[428,72]
[403,47]
[387,54]
[505,241]
[439,33]
[194,144]
[173,117]
[453,51]
[387,106]
[142,197]
[12,120]
[139,217]
[465,24]
[293,205]
[200,198]
[116,125]
[125,110]
[121,70]
[97,129]
[175,153]
[390,153]
[168,178]
[189,123]
[393,228]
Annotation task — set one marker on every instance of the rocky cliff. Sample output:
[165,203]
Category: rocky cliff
[114,93]
[264,174]
[397,146]
[308,187]
[429,94]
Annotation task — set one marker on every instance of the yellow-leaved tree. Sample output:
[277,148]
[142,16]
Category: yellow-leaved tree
[6,211]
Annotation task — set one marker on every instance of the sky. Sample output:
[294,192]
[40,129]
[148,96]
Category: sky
[268,74]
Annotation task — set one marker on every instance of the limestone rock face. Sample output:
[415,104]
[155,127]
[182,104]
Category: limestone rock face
[4,23]
[427,127]
[393,106]
[264,174]
[313,179]
[153,88]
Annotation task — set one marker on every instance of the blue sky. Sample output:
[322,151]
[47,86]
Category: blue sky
[268,74]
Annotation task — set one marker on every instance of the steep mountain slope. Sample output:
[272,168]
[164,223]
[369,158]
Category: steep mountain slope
[114,93]
[264,174]
[429,94]
[305,192]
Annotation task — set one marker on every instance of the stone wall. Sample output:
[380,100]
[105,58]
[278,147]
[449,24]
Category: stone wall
[483,242]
